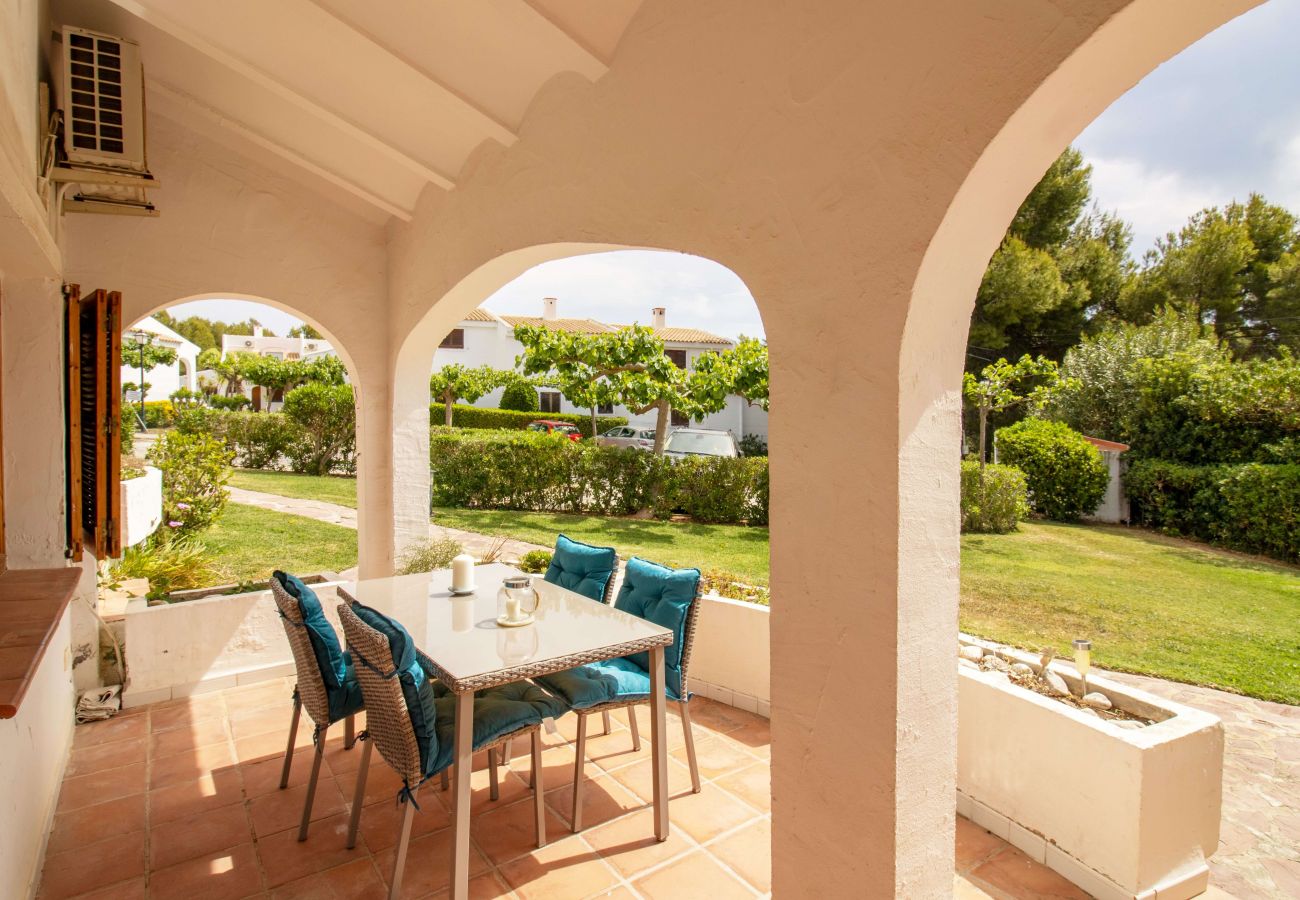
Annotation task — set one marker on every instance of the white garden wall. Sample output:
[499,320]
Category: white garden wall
[209,644]
[141,506]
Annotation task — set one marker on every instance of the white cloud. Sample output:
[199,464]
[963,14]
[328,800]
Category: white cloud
[1151,199]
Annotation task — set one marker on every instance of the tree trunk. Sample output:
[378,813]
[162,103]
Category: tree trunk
[661,426]
[984,424]
[593,423]
[447,401]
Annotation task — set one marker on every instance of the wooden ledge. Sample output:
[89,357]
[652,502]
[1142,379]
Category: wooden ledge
[32,602]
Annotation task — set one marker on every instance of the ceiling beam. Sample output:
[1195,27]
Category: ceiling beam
[593,58]
[192,105]
[256,75]
[487,122]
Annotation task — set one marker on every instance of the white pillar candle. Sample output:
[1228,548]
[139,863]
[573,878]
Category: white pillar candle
[512,608]
[462,572]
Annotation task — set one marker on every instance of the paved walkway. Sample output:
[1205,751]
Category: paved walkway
[474,543]
[1259,845]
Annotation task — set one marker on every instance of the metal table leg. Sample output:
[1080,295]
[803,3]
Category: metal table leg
[462,763]
[659,741]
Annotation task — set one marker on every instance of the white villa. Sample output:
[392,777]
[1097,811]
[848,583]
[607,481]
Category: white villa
[165,380]
[263,344]
[487,338]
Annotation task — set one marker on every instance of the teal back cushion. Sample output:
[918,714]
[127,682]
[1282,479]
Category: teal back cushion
[417,687]
[324,642]
[663,596]
[581,568]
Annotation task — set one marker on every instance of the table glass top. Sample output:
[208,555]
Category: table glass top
[461,634]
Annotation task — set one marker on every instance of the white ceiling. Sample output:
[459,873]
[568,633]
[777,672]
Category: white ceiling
[367,100]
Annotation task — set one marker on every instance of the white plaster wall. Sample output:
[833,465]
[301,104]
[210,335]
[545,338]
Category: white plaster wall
[207,644]
[233,227]
[34,748]
[733,648]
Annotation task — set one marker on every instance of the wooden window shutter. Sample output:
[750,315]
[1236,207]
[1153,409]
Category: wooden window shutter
[94,405]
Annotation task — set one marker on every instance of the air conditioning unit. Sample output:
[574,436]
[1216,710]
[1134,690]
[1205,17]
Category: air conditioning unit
[311,347]
[101,94]
[248,343]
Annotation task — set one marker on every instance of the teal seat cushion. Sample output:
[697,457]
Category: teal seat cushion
[498,711]
[330,658]
[663,596]
[600,682]
[581,568]
[417,684]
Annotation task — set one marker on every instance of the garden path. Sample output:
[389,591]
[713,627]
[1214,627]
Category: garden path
[474,543]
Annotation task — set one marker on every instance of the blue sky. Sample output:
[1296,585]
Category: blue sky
[1216,122]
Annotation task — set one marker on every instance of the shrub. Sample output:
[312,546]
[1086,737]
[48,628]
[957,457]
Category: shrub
[1251,507]
[195,468]
[713,488]
[1065,474]
[995,503]
[327,416]
[526,470]
[159,414]
[519,395]
[734,587]
[753,445]
[235,401]
[126,429]
[261,440]
[170,563]
[183,397]
[535,561]
[426,556]
[464,416]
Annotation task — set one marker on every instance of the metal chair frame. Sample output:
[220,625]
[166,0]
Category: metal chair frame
[309,693]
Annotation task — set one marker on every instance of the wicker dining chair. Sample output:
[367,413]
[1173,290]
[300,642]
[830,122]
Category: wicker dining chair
[631,694]
[579,566]
[390,729]
[310,692]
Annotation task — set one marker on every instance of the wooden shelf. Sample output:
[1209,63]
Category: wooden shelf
[32,602]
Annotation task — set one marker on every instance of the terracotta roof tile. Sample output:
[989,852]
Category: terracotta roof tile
[580,326]
[690,336]
[479,315]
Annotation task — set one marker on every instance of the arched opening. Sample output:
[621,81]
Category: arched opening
[944,293]
[235,359]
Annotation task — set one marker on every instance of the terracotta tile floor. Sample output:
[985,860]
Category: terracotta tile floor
[182,800]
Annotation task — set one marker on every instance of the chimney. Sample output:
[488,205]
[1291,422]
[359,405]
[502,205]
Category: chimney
[257,331]
[548,309]
[657,316]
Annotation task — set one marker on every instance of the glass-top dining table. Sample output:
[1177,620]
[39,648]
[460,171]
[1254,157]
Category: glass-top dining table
[470,652]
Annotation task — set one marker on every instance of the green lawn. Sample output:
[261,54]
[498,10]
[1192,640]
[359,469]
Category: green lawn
[330,489]
[1151,605]
[728,548]
[248,543]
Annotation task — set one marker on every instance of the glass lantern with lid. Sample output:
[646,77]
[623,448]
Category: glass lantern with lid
[516,601]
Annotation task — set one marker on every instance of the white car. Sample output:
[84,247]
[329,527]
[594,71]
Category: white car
[627,436]
[700,442]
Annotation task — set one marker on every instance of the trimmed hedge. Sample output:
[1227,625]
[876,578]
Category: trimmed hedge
[1065,474]
[265,440]
[1253,507]
[525,470]
[995,503]
[466,416]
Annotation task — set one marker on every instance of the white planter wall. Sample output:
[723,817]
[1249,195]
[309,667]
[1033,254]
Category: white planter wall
[141,506]
[1121,813]
[731,659]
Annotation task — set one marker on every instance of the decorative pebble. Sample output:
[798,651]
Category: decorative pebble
[974,654]
[1022,668]
[995,662]
[1056,682]
[1097,700]
[1091,712]
[1129,724]
[967,664]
